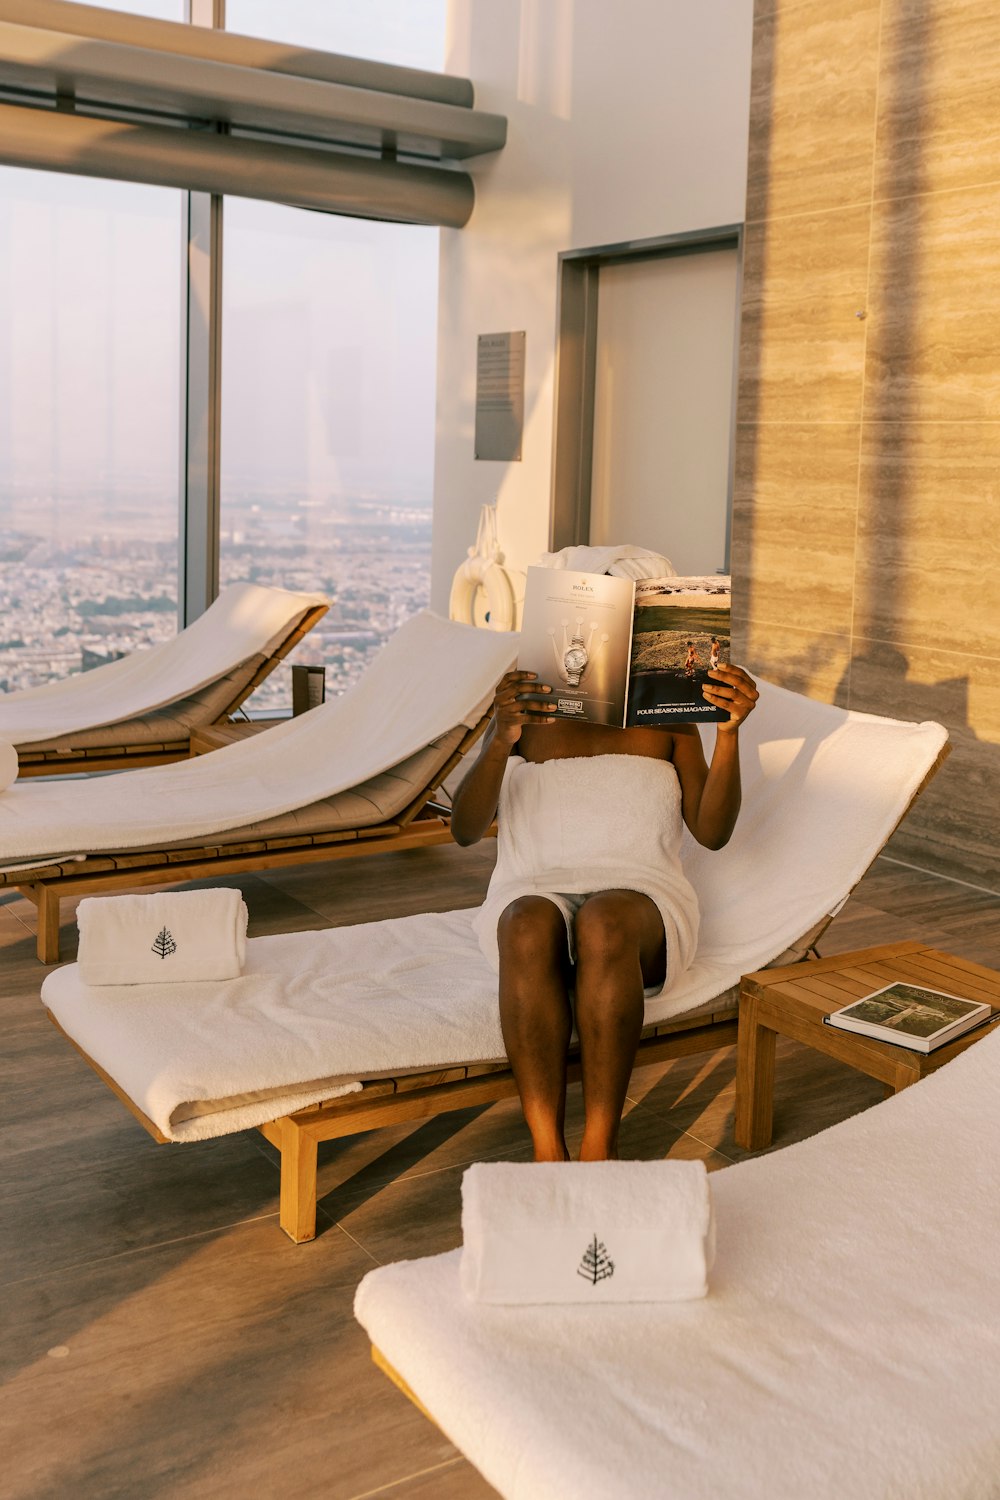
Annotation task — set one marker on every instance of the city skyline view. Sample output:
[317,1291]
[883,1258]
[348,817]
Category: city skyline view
[74,596]
[328,375]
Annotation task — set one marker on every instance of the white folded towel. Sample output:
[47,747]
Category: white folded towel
[610,1231]
[169,937]
[620,561]
[8,765]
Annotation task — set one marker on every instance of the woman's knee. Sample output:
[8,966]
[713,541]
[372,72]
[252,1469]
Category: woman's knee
[531,931]
[607,929]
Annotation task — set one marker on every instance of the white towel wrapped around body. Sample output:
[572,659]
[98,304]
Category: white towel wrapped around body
[168,937]
[606,1231]
[587,824]
[8,765]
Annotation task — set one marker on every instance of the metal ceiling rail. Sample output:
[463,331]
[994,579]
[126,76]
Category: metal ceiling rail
[104,94]
[202,161]
[53,64]
[181,39]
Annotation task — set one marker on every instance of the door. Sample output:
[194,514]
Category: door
[663,404]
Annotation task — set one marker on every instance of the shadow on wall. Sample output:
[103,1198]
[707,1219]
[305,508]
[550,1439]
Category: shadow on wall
[946,825]
[749,354]
[949,829]
[904,640]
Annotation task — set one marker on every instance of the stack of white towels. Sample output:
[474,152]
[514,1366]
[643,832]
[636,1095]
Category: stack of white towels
[171,937]
[615,1231]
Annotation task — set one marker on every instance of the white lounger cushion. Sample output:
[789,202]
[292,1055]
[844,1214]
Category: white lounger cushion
[848,1348]
[823,789]
[429,677]
[311,1008]
[312,1013]
[245,620]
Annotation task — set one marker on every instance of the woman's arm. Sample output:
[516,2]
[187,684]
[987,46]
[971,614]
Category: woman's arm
[474,804]
[711,793]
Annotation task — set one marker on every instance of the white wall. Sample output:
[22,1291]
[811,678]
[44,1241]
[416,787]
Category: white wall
[627,119]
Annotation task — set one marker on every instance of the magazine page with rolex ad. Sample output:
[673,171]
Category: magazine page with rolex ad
[576,629]
[680,633]
[622,653]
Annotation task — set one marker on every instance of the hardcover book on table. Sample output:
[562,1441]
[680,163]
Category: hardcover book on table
[624,653]
[910,1016]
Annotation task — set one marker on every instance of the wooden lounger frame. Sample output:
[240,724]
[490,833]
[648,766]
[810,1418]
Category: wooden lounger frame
[414,828]
[127,757]
[419,1096]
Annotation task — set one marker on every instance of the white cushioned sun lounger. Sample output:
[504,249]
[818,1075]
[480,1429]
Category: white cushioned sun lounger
[140,711]
[317,1015]
[847,1349]
[395,732]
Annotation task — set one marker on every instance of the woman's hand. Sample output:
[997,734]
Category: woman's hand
[518,702]
[736,692]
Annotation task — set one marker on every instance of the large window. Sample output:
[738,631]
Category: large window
[328,373]
[328,339]
[410,33]
[89,389]
[328,377]
[158,10]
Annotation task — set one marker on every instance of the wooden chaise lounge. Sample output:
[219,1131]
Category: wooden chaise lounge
[811,828]
[163,734]
[393,811]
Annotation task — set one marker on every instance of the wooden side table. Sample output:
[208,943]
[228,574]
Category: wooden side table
[793,1001]
[217,736]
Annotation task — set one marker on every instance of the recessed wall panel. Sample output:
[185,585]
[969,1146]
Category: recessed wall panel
[794,522]
[934,318]
[812,112]
[938,117]
[803,345]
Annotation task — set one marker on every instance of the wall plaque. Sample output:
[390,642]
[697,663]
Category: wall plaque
[499,395]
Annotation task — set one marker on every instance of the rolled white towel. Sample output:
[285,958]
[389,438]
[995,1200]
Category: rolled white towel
[8,765]
[615,1231]
[621,561]
[173,936]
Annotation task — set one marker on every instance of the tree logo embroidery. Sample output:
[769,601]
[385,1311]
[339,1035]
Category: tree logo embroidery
[164,944]
[596,1264]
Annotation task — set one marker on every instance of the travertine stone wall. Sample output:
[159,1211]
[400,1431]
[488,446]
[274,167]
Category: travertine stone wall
[866,549]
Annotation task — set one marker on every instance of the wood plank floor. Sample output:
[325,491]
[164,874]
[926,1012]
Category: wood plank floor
[163,1339]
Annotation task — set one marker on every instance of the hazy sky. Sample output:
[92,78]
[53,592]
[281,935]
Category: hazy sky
[328,323]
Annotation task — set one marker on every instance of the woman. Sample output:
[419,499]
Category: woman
[588,907]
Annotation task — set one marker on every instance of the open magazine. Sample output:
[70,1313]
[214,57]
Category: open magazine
[624,653]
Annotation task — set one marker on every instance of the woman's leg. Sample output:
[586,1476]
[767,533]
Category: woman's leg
[620,949]
[535,1016]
